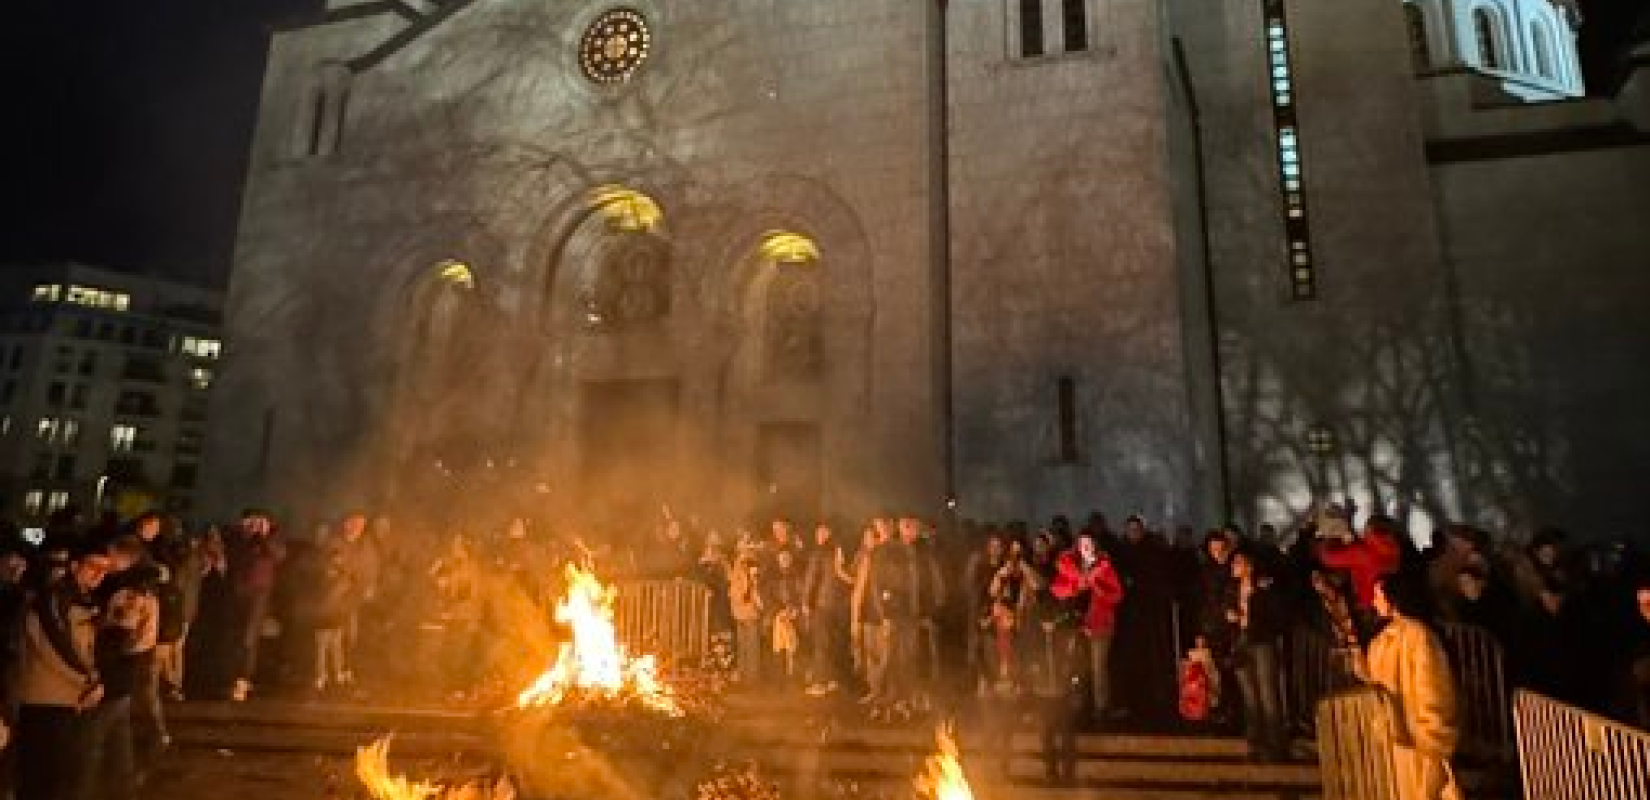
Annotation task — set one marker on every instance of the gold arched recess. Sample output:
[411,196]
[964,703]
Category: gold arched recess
[789,307]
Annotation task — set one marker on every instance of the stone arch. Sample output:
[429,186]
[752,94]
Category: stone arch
[1491,44]
[785,217]
[612,225]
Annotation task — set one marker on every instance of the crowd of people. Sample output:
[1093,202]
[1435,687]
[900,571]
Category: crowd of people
[104,624]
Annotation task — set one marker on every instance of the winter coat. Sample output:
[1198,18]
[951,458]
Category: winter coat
[1364,560]
[57,666]
[1407,660]
[905,584]
[1100,584]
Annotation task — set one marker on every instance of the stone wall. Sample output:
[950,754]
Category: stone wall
[477,141]
[1065,266]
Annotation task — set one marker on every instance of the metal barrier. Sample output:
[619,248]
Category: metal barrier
[1475,659]
[1565,753]
[668,618]
[1355,744]
[1315,669]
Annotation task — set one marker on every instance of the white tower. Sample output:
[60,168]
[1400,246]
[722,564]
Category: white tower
[1528,45]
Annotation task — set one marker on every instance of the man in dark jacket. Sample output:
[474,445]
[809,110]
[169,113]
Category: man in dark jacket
[826,584]
[906,592]
[255,551]
[1257,613]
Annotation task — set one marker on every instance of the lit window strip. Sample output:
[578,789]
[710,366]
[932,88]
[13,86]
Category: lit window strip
[1302,270]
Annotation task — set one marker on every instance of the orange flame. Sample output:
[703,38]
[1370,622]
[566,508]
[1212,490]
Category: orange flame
[593,661]
[372,768]
[942,778]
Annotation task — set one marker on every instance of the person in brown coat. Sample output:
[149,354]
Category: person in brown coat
[1407,659]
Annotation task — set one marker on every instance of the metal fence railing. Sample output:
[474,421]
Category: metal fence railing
[1355,745]
[1479,668]
[668,618]
[1315,669]
[1565,753]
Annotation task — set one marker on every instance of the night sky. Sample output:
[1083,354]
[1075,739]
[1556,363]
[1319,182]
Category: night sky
[131,122]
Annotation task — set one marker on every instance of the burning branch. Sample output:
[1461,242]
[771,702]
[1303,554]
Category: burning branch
[372,768]
[942,778]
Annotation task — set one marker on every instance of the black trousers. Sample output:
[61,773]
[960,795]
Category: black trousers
[51,752]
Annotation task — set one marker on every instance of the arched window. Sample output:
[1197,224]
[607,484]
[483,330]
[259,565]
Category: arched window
[1415,20]
[795,345]
[1489,44]
[1543,45]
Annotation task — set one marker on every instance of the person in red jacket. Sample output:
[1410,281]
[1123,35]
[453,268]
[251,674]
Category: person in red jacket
[1364,558]
[1085,580]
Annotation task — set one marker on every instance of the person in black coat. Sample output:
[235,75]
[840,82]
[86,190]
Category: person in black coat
[1256,613]
[1145,626]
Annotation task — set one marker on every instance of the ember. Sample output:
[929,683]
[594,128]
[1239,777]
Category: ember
[592,663]
[942,778]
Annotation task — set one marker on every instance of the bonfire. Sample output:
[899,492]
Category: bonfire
[592,664]
[942,776]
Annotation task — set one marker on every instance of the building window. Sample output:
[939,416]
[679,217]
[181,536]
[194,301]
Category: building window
[200,348]
[57,501]
[56,393]
[34,501]
[1543,50]
[1031,28]
[1065,409]
[77,397]
[328,107]
[200,378]
[1074,17]
[1302,271]
[56,430]
[122,438]
[64,470]
[93,297]
[47,293]
[42,469]
[7,391]
[1489,49]
[1419,52]
[88,362]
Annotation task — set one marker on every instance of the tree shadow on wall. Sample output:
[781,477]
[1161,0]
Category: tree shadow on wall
[1395,415]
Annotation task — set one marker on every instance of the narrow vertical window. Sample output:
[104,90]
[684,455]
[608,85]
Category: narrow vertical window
[340,117]
[1415,20]
[1066,418]
[1074,16]
[1031,28]
[1303,281]
[1483,27]
[317,122]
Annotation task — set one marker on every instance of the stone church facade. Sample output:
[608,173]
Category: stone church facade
[1030,256]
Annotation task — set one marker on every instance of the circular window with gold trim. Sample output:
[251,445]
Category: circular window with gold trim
[614,46]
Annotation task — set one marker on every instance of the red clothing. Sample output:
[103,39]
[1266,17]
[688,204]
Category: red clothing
[1104,589]
[1364,561]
